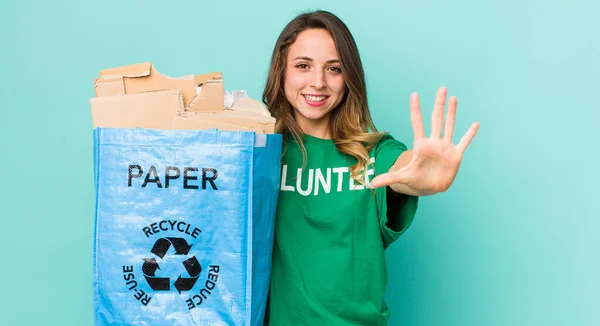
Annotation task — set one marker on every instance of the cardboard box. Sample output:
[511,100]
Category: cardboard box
[138,96]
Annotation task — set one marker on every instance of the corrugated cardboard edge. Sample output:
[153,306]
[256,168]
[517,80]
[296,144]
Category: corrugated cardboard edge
[109,86]
[211,97]
[223,122]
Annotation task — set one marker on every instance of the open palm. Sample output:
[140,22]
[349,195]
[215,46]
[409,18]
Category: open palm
[435,160]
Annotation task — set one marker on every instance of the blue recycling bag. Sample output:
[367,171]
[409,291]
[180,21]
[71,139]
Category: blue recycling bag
[184,226]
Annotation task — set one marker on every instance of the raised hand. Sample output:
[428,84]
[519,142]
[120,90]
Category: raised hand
[435,160]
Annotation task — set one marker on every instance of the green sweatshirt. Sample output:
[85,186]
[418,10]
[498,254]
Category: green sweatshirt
[330,235]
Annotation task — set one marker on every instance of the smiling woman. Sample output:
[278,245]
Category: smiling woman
[314,81]
[328,261]
[317,56]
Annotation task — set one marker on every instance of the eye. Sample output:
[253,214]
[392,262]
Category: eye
[302,66]
[336,69]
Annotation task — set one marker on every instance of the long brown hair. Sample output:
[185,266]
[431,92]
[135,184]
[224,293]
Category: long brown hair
[351,127]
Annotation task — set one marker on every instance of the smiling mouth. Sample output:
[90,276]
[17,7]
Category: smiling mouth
[314,98]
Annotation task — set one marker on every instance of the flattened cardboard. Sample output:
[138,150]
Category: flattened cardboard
[162,110]
[152,110]
[109,86]
[197,121]
[247,104]
[210,98]
[135,70]
[143,77]
[137,96]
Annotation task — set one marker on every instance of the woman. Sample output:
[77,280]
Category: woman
[347,191]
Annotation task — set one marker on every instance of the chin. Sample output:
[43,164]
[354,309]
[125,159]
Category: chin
[313,114]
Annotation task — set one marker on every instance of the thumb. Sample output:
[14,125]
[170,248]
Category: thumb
[388,179]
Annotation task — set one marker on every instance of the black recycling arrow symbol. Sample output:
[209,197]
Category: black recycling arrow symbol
[150,266]
[185,284]
[162,245]
[160,249]
[156,283]
[194,269]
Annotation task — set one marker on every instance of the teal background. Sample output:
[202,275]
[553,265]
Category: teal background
[513,242]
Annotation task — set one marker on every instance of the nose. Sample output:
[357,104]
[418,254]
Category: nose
[318,79]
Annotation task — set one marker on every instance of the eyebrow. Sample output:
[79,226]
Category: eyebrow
[310,59]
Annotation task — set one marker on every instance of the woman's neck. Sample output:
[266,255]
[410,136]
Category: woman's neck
[319,128]
[318,133]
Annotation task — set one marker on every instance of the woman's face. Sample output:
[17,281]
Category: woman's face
[313,82]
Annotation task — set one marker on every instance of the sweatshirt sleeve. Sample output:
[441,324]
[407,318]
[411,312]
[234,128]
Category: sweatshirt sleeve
[396,211]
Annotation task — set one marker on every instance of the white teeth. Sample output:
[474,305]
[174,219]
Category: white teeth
[315,98]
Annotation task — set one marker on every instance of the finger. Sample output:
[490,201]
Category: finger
[388,179]
[437,116]
[468,137]
[415,116]
[450,116]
